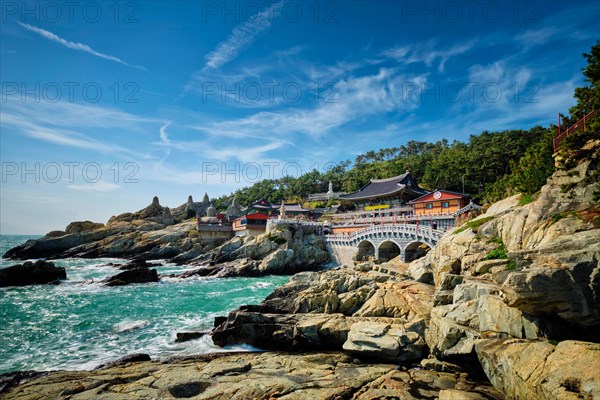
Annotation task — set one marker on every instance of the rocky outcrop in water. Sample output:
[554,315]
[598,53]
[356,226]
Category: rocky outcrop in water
[31,273]
[135,275]
[154,233]
[151,233]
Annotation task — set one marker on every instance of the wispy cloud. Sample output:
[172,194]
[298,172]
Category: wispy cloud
[428,52]
[76,45]
[100,186]
[242,37]
[63,124]
[164,136]
[355,98]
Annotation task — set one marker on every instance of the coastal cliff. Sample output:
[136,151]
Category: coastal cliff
[157,233]
[515,292]
[506,306]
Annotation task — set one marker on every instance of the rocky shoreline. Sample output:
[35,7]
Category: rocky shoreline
[505,306]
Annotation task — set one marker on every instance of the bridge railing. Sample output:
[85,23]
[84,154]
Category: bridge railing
[419,231]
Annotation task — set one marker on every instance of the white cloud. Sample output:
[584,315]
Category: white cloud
[427,53]
[99,186]
[164,136]
[536,37]
[76,45]
[242,37]
[354,99]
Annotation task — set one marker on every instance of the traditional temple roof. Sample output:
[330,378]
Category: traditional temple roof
[253,216]
[295,208]
[387,187]
[469,207]
[261,204]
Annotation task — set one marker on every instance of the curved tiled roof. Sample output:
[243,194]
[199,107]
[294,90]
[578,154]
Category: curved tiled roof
[387,187]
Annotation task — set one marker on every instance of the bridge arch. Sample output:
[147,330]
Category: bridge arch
[416,249]
[388,249]
[366,248]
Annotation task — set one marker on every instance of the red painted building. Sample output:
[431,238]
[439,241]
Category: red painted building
[439,202]
[251,224]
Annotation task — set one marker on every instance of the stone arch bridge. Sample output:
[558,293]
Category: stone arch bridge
[384,242]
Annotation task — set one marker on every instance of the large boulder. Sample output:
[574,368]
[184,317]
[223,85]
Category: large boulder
[284,331]
[525,369]
[477,311]
[136,275]
[388,341]
[31,273]
[82,226]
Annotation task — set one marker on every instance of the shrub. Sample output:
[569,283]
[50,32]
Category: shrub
[276,238]
[473,224]
[511,266]
[526,199]
[497,254]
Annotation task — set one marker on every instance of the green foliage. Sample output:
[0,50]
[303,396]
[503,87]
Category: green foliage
[526,199]
[511,266]
[553,342]
[560,215]
[588,97]
[276,238]
[529,172]
[496,240]
[473,224]
[505,163]
[497,254]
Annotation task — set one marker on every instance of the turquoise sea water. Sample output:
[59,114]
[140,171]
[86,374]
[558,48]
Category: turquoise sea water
[80,323]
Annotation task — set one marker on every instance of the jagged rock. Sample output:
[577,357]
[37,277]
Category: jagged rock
[405,299]
[523,369]
[334,291]
[82,226]
[284,331]
[277,262]
[551,276]
[55,234]
[394,342]
[187,336]
[136,275]
[28,273]
[420,270]
[569,294]
[224,376]
[130,358]
[476,311]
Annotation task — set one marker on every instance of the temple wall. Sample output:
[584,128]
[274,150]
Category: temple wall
[342,254]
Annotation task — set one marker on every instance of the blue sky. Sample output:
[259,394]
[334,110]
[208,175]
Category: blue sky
[107,104]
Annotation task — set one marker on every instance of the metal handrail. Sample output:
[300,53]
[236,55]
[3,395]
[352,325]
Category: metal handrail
[557,140]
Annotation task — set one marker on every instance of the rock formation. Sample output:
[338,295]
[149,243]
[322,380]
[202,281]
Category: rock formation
[31,273]
[516,291]
[509,299]
[251,376]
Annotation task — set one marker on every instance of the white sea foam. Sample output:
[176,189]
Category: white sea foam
[128,325]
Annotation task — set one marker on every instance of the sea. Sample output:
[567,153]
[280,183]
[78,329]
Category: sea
[80,323]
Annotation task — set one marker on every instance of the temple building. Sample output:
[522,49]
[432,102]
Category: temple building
[213,226]
[252,224]
[263,206]
[392,193]
[439,202]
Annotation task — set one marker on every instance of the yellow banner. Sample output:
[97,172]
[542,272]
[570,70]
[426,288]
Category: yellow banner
[377,207]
